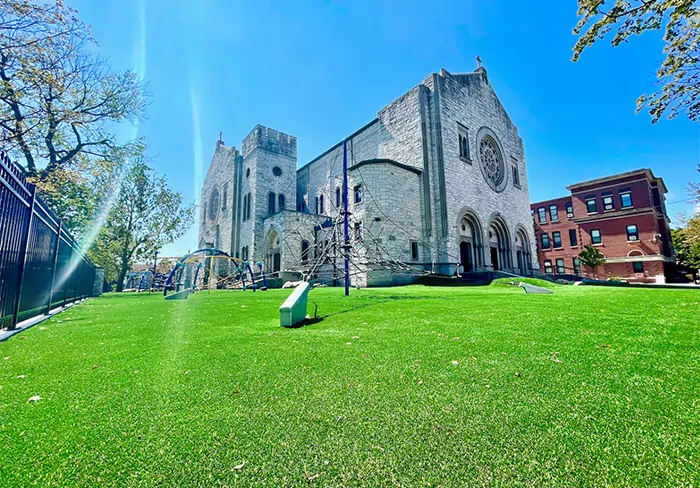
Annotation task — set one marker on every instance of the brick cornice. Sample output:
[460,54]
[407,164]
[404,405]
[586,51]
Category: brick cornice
[618,214]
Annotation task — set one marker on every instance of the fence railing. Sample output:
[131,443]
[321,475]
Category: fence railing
[41,265]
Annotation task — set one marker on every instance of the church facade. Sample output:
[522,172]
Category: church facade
[437,183]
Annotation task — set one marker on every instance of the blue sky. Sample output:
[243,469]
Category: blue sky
[321,69]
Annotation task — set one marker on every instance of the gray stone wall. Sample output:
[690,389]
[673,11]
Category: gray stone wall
[284,233]
[221,176]
[390,218]
[264,150]
[416,186]
[470,100]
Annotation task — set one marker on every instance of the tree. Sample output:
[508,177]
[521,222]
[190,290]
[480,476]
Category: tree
[58,100]
[591,257]
[105,252]
[79,192]
[686,244]
[145,216]
[57,96]
[679,73]
[165,266]
[694,189]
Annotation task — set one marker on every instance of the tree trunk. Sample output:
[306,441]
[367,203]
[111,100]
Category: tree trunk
[123,269]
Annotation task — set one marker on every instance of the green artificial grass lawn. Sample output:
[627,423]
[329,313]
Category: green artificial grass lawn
[531,281]
[413,386]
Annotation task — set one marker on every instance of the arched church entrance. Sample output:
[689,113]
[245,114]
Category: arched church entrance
[522,252]
[273,254]
[499,245]
[470,244]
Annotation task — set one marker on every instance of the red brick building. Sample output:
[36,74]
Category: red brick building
[624,215]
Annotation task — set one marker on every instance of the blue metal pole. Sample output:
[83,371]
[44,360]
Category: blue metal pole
[252,276]
[262,272]
[345,217]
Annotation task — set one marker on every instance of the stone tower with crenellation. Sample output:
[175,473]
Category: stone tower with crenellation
[268,184]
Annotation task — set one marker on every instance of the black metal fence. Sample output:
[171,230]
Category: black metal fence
[41,265]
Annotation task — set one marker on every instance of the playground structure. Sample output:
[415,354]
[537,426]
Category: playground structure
[213,268]
[152,278]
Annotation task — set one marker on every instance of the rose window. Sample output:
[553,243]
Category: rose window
[491,161]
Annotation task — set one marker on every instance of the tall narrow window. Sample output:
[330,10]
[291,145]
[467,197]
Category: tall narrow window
[542,215]
[625,198]
[281,202]
[608,203]
[569,210]
[304,251]
[573,237]
[317,212]
[577,266]
[321,204]
[248,207]
[591,206]
[516,176]
[596,238]
[561,269]
[414,250]
[337,197]
[632,234]
[358,193]
[271,199]
[545,240]
[463,143]
[556,239]
[553,213]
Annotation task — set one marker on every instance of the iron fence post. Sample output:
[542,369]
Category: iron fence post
[23,258]
[55,263]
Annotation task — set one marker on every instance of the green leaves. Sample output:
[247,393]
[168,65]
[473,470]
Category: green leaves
[686,244]
[145,216]
[591,256]
[58,98]
[679,73]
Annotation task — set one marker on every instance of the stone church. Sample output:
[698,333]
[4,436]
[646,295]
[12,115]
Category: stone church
[437,183]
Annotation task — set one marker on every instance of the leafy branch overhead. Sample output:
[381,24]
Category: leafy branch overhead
[57,97]
[679,20]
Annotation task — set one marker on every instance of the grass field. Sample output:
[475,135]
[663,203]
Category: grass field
[414,386]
